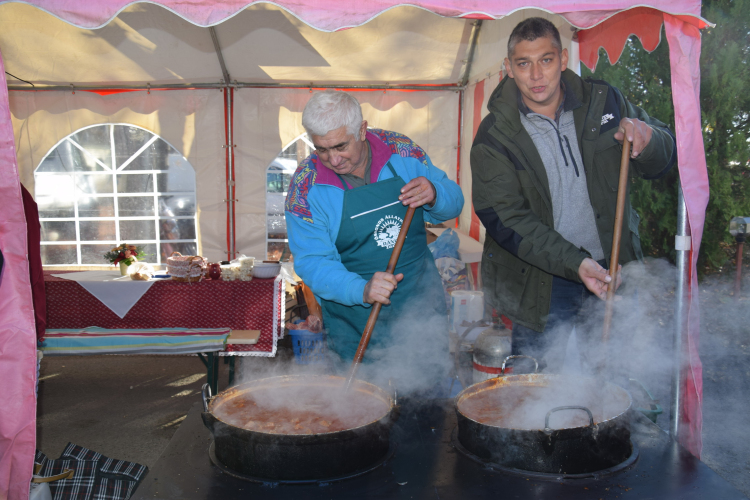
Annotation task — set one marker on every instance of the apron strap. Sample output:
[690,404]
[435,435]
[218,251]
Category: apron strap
[393,171]
[343,182]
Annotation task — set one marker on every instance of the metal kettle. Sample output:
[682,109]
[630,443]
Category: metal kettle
[491,348]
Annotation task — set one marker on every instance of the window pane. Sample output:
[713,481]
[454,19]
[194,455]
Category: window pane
[177,229]
[54,195]
[149,253]
[94,254]
[135,206]
[176,205]
[94,184]
[53,163]
[58,230]
[278,250]
[93,230]
[59,254]
[96,207]
[184,248]
[275,204]
[180,177]
[128,140]
[137,230]
[276,226]
[95,140]
[154,157]
[136,183]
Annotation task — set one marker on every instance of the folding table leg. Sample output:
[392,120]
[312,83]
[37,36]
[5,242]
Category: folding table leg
[212,369]
[231,369]
[215,387]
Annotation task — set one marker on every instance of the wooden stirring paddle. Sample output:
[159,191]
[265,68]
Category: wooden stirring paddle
[614,260]
[370,326]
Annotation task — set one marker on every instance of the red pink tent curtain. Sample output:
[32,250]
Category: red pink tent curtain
[610,22]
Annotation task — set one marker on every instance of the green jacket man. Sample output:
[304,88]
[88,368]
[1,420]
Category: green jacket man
[545,169]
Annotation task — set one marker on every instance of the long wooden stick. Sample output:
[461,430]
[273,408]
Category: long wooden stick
[370,326]
[614,261]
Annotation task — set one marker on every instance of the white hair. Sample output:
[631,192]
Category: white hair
[329,110]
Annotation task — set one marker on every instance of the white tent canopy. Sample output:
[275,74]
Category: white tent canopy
[262,46]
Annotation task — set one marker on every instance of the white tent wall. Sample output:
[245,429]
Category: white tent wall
[190,120]
[268,120]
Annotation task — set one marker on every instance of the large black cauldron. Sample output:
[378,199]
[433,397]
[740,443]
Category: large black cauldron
[298,457]
[538,444]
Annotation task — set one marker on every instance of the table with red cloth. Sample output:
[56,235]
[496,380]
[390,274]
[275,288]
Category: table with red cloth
[239,305]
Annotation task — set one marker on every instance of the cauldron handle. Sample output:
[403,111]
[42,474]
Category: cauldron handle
[205,396]
[516,356]
[547,430]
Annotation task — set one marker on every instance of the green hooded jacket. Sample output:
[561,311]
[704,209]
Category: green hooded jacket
[511,196]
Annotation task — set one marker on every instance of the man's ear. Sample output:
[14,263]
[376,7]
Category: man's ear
[363,130]
[508,69]
[564,59]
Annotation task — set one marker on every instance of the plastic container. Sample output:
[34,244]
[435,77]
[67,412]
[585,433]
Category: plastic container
[309,348]
[466,305]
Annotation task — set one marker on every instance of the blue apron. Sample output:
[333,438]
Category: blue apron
[371,220]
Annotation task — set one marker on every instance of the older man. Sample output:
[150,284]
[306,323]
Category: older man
[344,209]
[545,166]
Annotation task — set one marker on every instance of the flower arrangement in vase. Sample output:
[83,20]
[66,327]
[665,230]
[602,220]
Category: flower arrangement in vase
[124,255]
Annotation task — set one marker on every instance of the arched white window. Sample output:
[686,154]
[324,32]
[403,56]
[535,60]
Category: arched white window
[109,184]
[278,175]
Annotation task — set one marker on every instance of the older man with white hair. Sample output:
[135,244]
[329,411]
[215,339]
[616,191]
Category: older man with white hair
[345,206]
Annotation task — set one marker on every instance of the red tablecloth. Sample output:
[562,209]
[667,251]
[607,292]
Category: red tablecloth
[239,305]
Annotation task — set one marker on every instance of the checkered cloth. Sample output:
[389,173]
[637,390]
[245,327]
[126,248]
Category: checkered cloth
[96,476]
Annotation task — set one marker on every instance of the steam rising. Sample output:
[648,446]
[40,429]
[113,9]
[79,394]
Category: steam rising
[640,344]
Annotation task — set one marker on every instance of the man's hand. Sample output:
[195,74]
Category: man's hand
[637,132]
[380,287]
[418,192]
[595,277]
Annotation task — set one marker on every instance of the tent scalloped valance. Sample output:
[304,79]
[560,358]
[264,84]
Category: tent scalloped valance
[333,15]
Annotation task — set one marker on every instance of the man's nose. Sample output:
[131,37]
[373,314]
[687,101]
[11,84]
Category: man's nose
[334,158]
[536,72]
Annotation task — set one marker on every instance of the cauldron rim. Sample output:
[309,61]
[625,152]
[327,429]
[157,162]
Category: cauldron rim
[533,380]
[264,382]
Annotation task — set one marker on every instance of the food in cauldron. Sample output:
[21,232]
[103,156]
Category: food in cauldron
[523,406]
[299,427]
[301,410]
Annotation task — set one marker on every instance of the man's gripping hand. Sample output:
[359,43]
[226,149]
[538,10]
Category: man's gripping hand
[638,132]
[595,277]
[380,287]
[418,192]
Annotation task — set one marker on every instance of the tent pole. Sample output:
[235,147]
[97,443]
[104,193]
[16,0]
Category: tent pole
[228,113]
[217,48]
[476,26]
[233,203]
[236,84]
[682,246]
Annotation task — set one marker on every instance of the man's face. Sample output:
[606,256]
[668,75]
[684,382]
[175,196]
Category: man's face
[342,152]
[536,67]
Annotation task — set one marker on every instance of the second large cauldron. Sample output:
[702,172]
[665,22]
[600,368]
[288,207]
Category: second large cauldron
[279,440]
[553,424]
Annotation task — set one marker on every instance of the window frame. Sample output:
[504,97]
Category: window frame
[115,172]
[303,136]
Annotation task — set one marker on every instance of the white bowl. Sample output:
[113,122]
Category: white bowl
[266,269]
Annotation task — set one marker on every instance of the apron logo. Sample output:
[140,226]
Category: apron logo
[386,231]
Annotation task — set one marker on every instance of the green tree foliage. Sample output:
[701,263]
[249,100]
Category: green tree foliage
[725,105]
